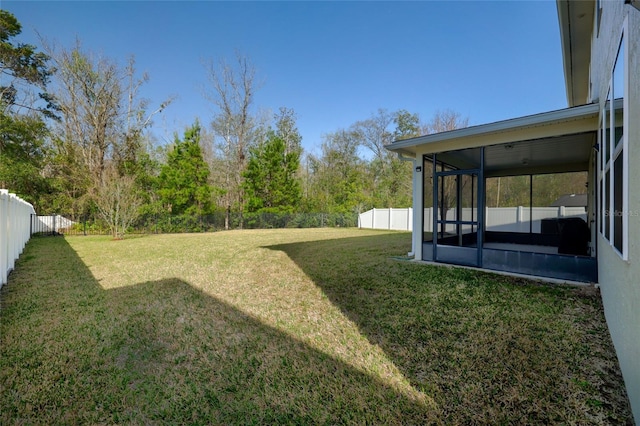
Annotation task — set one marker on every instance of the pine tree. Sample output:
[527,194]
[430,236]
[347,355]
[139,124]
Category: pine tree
[271,183]
[183,179]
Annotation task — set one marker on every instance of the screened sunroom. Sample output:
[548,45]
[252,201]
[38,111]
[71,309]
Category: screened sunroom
[515,196]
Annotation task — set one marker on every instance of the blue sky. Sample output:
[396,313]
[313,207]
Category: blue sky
[334,63]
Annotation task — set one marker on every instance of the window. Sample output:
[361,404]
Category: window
[598,16]
[617,153]
[613,161]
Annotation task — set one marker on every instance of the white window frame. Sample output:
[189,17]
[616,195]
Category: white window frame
[605,165]
[601,189]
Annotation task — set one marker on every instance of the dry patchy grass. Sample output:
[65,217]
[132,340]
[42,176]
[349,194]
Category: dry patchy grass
[293,326]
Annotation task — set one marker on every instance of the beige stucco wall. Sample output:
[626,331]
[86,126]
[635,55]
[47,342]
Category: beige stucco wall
[620,279]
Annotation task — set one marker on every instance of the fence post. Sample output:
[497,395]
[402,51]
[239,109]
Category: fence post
[519,218]
[13,230]
[4,255]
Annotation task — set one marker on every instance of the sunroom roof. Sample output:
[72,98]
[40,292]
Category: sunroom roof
[548,131]
[568,153]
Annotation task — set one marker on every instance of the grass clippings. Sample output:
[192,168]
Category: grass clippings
[293,327]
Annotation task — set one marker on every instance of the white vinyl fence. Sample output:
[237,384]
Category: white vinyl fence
[505,219]
[15,231]
[395,219]
[51,224]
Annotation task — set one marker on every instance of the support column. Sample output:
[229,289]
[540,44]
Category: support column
[418,211]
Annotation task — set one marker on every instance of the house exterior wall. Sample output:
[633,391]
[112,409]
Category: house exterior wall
[619,278]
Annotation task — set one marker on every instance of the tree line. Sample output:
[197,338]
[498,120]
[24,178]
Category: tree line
[75,139]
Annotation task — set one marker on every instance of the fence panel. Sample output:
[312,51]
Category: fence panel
[365,220]
[381,218]
[400,219]
[50,225]
[503,219]
[15,216]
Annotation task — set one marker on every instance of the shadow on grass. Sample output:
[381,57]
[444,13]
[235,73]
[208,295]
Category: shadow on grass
[487,349]
[163,352]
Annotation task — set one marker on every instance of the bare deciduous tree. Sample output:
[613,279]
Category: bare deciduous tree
[391,176]
[88,92]
[375,134]
[134,117]
[232,92]
[117,201]
[103,116]
[444,121]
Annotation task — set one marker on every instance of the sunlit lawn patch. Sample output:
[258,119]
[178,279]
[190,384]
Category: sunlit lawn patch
[292,326]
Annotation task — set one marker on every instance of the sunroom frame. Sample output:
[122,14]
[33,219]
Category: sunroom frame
[556,141]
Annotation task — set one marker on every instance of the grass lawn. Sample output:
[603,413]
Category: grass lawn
[297,326]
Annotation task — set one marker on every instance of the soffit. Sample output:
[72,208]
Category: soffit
[568,153]
[576,19]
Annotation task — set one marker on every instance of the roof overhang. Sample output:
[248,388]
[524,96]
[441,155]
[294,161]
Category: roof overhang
[576,19]
[546,125]
[551,142]
[561,154]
